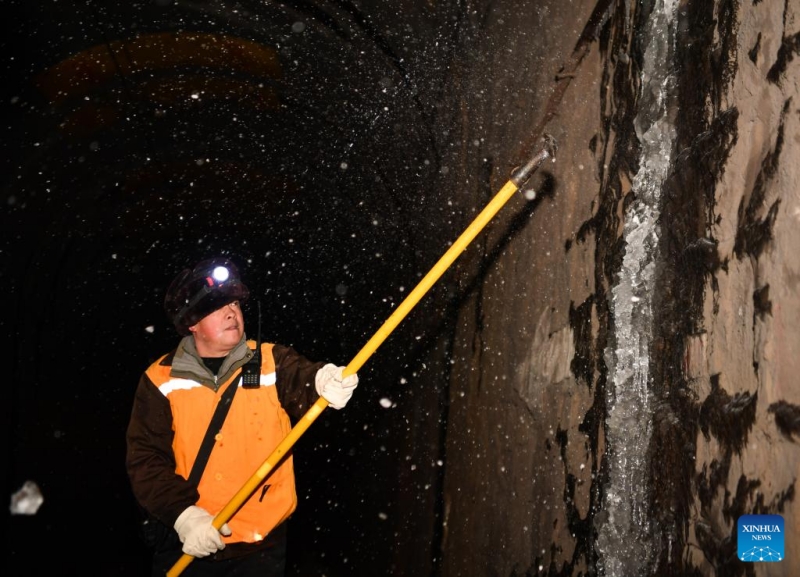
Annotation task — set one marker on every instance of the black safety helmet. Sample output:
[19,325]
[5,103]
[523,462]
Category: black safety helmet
[196,293]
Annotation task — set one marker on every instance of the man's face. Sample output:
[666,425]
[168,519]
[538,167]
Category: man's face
[216,334]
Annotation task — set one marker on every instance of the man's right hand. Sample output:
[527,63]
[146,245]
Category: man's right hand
[198,535]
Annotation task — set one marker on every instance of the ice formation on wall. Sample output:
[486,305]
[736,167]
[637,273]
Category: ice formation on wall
[624,534]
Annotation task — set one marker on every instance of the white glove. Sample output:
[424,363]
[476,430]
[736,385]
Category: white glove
[198,536]
[334,388]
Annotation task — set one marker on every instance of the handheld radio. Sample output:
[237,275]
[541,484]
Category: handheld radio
[251,371]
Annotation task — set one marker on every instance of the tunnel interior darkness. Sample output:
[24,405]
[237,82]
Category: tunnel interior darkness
[142,137]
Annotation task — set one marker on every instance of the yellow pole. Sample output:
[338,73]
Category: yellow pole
[501,198]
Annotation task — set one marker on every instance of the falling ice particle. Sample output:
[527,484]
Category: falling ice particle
[27,500]
[383,516]
[385,403]
[150,329]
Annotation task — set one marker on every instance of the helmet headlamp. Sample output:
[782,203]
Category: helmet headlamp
[220,274]
[196,293]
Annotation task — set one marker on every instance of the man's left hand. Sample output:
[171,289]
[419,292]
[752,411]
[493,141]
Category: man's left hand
[333,387]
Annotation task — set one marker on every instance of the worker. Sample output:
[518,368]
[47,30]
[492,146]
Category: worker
[175,401]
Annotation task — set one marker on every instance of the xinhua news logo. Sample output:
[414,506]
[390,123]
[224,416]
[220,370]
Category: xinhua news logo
[760,538]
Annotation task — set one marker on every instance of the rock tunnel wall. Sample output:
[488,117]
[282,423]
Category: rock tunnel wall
[622,360]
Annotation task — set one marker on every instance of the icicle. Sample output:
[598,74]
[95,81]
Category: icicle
[625,535]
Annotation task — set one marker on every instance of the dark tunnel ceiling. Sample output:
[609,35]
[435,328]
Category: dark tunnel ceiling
[173,113]
[167,130]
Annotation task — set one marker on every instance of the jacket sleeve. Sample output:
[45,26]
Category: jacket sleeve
[149,459]
[295,376]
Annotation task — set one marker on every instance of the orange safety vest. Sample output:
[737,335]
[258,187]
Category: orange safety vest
[256,423]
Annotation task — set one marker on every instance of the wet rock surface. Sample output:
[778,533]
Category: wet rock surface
[721,396]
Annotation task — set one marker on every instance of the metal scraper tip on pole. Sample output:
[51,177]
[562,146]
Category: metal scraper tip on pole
[521,175]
